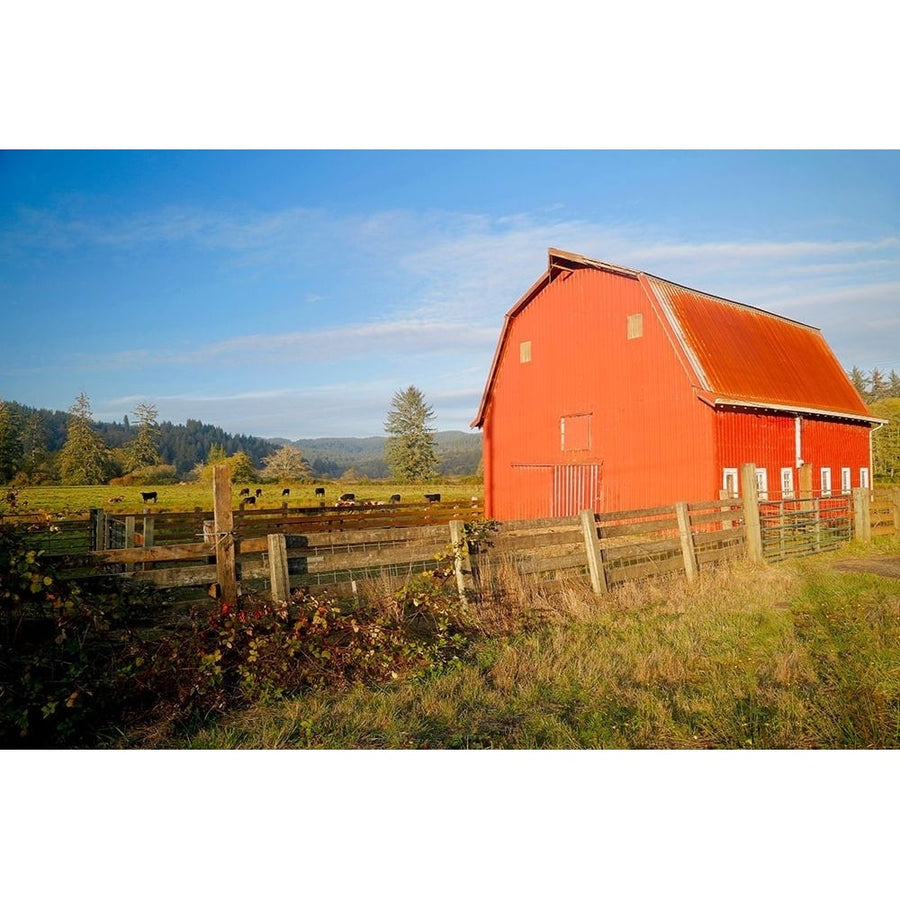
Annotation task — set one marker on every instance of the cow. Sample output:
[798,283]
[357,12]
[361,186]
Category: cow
[286,492]
[116,500]
[259,492]
[249,501]
[346,497]
[245,492]
[320,492]
[147,496]
[433,498]
[395,498]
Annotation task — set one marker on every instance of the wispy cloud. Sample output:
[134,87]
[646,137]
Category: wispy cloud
[443,282]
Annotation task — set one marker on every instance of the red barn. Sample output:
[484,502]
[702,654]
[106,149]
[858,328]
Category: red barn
[612,389]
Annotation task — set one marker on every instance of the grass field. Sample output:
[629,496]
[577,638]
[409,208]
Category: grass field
[190,495]
[789,656]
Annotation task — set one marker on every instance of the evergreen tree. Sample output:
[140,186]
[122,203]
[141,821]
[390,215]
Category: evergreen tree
[410,447]
[10,444]
[143,450]
[35,455]
[893,384]
[216,455]
[286,464]
[860,383]
[879,384]
[84,458]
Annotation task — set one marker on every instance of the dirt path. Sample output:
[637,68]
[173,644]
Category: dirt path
[888,566]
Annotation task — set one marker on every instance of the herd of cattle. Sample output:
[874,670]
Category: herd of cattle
[345,499]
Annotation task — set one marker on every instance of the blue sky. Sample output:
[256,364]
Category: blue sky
[291,293]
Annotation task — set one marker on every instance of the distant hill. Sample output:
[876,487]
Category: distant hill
[459,453]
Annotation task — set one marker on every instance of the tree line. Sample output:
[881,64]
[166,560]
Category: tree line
[881,392]
[40,446]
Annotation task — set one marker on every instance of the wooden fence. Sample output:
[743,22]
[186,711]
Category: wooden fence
[280,549]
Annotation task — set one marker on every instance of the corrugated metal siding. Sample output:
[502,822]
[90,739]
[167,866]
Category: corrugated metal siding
[749,354]
[651,440]
[836,445]
[769,441]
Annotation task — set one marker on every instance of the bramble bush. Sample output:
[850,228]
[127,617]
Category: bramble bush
[232,658]
[64,650]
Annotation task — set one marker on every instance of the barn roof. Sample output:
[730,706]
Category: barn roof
[741,356]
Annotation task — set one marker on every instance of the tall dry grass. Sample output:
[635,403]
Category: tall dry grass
[749,656]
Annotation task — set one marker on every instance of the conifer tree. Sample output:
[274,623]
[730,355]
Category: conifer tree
[143,450]
[10,444]
[410,447]
[84,458]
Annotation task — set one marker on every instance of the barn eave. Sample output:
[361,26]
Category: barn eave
[762,406]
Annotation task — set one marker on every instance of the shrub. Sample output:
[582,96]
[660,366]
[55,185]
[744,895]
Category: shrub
[148,475]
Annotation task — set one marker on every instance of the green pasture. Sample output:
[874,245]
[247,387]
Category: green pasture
[192,495]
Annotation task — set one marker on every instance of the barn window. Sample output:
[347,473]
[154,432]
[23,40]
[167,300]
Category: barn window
[730,482]
[525,352]
[787,484]
[762,484]
[635,326]
[863,478]
[845,480]
[575,432]
[825,482]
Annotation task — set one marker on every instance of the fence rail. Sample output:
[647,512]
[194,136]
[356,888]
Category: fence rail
[285,548]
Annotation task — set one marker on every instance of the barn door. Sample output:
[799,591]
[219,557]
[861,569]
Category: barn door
[575,487]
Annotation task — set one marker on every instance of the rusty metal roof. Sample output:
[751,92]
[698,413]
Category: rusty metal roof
[753,357]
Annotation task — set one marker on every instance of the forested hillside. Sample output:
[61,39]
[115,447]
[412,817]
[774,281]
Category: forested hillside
[459,454]
[182,446]
[31,441]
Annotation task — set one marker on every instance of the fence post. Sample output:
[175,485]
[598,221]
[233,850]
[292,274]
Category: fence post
[593,551]
[752,524]
[806,482]
[223,516]
[278,570]
[129,539]
[461,562]
[683,515]
[148,534]
[98,529]
[895,494]
[862,519]
[726,495]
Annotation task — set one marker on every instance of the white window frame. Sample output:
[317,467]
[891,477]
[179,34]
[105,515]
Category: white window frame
[762,484]
[864,477]
[825,481]
[731,475]
[846,479]
[787,483]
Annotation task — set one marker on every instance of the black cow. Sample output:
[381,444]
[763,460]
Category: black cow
[346,497]
[286,492]
[395,498]
[433,498]
[245,492]
[320,492]
[259,492]
[147,496]
[250,501]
